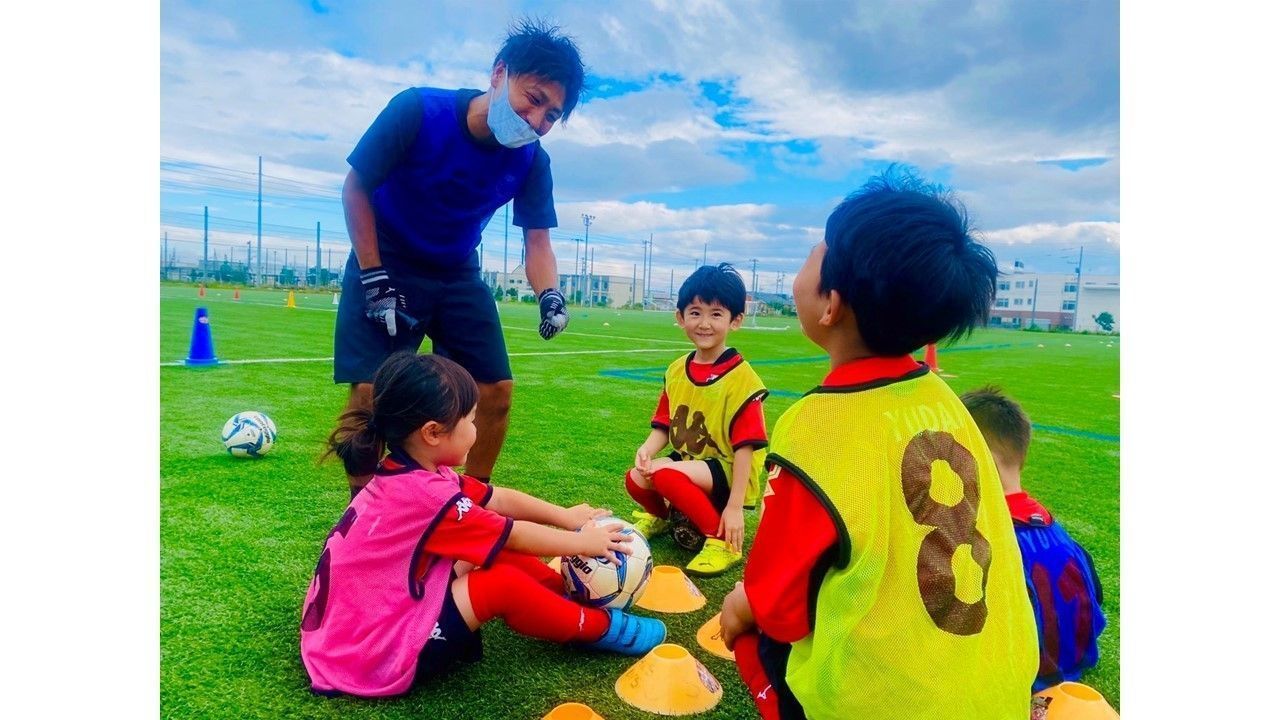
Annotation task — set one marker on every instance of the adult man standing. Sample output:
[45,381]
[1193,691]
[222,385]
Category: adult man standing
[425,180]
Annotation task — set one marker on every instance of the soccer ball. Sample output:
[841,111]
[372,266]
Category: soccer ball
[249,434]
[599,583]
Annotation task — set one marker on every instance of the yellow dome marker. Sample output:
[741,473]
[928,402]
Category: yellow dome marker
[1071,701]
[710,639]
[671,591]
[669,681]
[572,711]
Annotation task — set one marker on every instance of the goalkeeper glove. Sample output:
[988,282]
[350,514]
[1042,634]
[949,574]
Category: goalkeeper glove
[554,317]
[381,300]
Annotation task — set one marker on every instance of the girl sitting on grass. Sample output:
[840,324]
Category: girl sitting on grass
[423,557]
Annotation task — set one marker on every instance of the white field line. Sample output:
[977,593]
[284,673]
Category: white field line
[549,353]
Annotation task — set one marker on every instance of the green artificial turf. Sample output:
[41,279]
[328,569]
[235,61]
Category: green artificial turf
[240,537]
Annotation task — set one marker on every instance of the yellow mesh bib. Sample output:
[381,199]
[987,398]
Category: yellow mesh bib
[924,613]
[701,415]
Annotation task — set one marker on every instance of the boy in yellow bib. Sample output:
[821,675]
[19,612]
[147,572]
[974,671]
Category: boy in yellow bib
[711,413]
[885,580]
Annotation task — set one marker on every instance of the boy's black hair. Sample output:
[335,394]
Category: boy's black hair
[537,47]
[1002,421]
[719,283]
[900,253]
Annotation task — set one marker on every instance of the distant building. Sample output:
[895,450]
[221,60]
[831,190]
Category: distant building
[597,290]
[1053,301]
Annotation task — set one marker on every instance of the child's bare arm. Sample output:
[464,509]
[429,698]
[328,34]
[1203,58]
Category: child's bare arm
[657,440]
[522,506]
[736,617]
[732,522]
[592,540]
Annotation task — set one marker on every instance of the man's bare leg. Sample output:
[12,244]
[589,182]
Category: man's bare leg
[492,414]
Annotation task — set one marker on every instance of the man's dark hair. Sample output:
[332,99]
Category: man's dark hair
[720,283]
[900,253]
[1002,421]
[537,47]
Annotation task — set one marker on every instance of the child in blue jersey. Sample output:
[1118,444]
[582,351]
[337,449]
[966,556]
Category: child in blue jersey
[1061,579]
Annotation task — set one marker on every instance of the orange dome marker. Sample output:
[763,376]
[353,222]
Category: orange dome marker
[572,711]
[1071,701]
[669,681]
[290,302]
[671,591]
[710,639]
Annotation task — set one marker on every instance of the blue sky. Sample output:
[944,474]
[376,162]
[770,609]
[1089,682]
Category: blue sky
[738,125]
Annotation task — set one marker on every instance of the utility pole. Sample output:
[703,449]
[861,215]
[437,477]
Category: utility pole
[506,225]
[1035,293]
[633,284]
[779,284]
[1079,268]
[260,220]
[248,258]
[205,267]
[671,284]
[753,275]
[317,253]
[481,259]
[586,245]
[591,277]
[704,253]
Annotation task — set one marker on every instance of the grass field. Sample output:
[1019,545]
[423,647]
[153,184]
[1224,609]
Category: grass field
[239,538]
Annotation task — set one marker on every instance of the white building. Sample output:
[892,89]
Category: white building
[1053,300]
[605,290]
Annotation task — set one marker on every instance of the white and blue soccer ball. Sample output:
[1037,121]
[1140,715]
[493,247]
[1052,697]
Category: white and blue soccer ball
[599,583]
[249,434]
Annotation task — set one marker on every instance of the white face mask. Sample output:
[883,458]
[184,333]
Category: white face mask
[508,128]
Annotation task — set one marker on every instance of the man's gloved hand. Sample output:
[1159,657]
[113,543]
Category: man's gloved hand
[381,300]
[554,318]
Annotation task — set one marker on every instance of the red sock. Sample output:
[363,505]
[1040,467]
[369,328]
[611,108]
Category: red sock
[533,567]
[529,608]
[747,655]
[688,498]
[651,500]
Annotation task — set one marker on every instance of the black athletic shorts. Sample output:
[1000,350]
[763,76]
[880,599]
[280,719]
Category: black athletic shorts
[719,481]
[455,309]
[451,642]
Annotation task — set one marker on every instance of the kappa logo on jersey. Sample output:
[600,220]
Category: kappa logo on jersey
[690,434]
[464,507]
[764,694]
[436,634]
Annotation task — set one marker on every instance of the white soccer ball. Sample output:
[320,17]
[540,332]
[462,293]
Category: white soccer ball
[599,583]
[249,434]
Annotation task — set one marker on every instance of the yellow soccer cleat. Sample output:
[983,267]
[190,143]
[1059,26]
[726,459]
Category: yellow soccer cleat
[715,558]
[648,525]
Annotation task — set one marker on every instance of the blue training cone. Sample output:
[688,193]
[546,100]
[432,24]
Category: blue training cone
[201,352]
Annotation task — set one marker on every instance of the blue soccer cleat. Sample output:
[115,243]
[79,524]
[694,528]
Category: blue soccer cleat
[630,634]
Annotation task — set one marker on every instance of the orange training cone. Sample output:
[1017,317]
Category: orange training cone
[669,681]
[671,591]
[931,357]
[236,296]
[1071,701]
[712,641]
[572,711]
[290,303]
[201,293]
